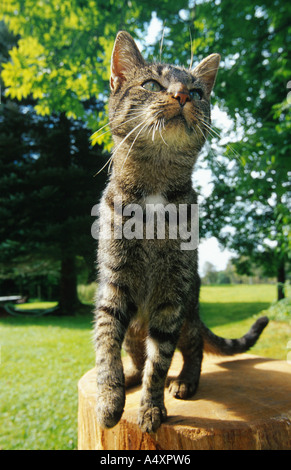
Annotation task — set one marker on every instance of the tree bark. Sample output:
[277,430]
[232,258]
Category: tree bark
[281,279]
[68,298]
[69,301]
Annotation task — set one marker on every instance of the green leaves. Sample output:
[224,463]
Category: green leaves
[27,62]
[64,50]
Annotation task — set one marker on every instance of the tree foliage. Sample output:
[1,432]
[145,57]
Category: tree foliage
[249,208]
[62,57]
[47,168]
[252,182]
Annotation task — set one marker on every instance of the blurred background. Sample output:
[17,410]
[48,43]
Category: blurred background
[55,67]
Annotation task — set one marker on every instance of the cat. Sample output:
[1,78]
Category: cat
[148,296]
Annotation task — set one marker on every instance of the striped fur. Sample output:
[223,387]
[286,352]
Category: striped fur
[149,289]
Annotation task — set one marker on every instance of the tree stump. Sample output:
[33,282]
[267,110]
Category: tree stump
[243,402]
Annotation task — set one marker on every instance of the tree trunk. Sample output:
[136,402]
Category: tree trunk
[69,301]
[68,298]
[281,278]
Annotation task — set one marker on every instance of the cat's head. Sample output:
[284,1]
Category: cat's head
[156,104]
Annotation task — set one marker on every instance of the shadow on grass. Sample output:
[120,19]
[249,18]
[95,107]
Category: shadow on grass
[212,314]
[217,314]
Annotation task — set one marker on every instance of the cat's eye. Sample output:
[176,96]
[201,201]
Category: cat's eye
[152,85]
[196,94]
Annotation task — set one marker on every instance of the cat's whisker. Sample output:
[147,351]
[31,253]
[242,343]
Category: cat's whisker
[210,128]
[139,132]
[110,130]
[114,128]
[155,127]
[162,41]
[192,50]
[201,132]
[96,132]
[126,137]
[161,128]
[205,137]
[134,111]
[193,128]
[212,131]
[104,166]
[110,160]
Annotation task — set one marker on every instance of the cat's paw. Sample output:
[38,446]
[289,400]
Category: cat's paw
[110,405]
[182,389]
[150,417]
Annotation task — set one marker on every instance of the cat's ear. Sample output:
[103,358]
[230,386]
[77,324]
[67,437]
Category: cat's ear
[207,71]
[125,56]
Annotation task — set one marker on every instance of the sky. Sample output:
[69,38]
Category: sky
[209,250]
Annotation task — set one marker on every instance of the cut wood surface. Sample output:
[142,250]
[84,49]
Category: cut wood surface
[243,402]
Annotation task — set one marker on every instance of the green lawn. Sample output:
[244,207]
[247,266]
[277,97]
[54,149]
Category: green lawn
[43,358]
[229,311]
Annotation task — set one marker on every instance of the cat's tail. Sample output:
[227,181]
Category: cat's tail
[221,346]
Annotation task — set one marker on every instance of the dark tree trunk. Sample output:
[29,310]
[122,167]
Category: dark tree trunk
[68,298]
[281,278]
[69,301]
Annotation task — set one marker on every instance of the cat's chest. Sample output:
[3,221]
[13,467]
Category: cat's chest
[154,202]
[160,228]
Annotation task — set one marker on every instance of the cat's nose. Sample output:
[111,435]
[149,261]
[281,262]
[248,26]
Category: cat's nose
[182,95]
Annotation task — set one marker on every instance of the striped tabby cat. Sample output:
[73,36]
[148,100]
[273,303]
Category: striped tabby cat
[149,288]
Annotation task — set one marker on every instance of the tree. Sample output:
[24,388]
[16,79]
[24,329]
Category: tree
[48,188]
[210,273]
[251,178]
[251,184]
[47,193]
[46,201]
[62,60]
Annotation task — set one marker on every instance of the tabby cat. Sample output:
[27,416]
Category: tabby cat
[148,288]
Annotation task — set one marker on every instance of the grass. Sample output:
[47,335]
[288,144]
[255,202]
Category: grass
[229,311]
[43,358]
[41,362]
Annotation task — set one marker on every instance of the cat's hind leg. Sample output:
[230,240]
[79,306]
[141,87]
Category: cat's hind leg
[134,346]
[164,329]
[191,347]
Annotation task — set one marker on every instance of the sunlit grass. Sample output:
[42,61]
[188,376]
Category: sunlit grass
[41,362]
[36,305]
[231,310]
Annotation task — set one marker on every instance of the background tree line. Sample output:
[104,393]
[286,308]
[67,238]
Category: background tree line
[55,59]
[230,275]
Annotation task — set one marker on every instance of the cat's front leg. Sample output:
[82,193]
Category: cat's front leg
[161,343]
[112,319]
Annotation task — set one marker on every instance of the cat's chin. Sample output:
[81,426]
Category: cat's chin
[178,126]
